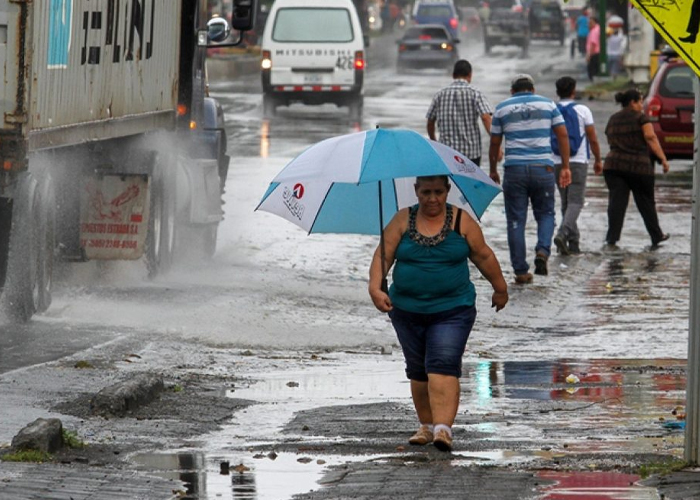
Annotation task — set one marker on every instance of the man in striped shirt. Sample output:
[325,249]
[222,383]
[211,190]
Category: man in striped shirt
[456,110]
[526,120]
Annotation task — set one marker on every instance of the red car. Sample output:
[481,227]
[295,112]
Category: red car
[670,104]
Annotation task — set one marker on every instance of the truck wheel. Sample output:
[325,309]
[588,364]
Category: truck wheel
[269,106]
[21,291]
[355,109]
[160,240]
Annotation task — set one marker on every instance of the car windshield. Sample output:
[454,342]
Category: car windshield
[434,11]
[426,33]
[312,25]
[678,82]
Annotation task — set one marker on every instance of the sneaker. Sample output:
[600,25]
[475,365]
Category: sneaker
[523,279]
[443,441]
[422,436]
[574,249]
[562,247]
[541,264]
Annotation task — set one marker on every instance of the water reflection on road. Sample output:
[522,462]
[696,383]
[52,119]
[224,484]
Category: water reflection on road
[524,413]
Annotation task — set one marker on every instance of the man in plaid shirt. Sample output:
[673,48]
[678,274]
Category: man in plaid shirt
[456,110]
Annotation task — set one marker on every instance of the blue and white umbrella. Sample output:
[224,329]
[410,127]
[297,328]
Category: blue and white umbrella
[355,183]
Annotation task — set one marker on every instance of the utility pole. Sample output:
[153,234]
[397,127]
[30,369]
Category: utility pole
[692,391]
[602,24]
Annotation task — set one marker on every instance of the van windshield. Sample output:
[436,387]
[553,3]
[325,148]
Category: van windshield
[311,25]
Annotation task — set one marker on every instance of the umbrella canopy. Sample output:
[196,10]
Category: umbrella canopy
[355,183]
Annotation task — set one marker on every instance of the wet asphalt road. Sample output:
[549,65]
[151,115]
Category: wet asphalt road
[295,311]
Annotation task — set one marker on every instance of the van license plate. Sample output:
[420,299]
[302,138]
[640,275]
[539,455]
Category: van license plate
[312,79]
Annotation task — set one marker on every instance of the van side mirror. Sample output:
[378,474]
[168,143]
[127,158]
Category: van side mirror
[243,15]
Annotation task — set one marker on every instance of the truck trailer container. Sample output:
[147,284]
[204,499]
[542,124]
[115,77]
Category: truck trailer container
[110,148]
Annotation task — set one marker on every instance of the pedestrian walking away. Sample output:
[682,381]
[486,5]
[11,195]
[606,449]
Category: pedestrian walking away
[617,46]
[593,48]
[629,167]
[582,31]
[432,301]
[583,141]
[526,121]
[456,110]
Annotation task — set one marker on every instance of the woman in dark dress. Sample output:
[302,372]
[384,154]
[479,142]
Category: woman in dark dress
[629,167]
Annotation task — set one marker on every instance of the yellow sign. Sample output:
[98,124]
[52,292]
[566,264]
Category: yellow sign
[678,22]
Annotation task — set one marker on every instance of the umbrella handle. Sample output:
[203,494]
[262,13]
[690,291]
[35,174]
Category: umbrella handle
[382,251]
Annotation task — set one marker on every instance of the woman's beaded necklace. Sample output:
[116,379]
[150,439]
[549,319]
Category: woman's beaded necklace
[429,241]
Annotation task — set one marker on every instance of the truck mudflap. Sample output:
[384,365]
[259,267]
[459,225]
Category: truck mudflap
[114,215]
[202,192]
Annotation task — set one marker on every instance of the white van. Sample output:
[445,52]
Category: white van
[313,53]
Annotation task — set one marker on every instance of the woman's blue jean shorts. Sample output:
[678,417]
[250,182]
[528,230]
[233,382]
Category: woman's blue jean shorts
[433,343]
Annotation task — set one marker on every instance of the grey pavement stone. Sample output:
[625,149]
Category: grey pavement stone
[128,395]
[43,434]
[63,482]
[682,485]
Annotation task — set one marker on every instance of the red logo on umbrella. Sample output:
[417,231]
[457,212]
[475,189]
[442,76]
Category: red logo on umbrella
[298,191]
[459,159]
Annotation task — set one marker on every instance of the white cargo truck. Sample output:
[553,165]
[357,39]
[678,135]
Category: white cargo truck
[109,146]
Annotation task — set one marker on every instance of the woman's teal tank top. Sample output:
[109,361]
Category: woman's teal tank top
[430,279]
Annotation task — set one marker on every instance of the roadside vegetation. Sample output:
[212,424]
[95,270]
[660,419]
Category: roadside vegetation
[27,456]
[662,468]
[71,440]
[614,85]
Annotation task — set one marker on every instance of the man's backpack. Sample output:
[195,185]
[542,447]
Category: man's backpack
[572,128]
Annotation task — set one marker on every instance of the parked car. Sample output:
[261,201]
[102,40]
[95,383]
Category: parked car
[547,21]
[427,45]
[443,13]
[669,105]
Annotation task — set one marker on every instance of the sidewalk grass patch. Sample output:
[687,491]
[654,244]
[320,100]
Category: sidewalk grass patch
[71,440]
[662,468]
[27,456]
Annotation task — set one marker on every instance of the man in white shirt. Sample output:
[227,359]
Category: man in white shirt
[572,197]
[617,45]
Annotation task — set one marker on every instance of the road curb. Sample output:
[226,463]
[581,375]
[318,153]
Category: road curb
[119,398]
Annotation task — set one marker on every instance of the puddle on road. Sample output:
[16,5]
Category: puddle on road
[617,398]
[595,486]
[246,478]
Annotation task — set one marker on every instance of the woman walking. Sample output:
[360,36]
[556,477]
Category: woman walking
[629,167]
[431,300]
